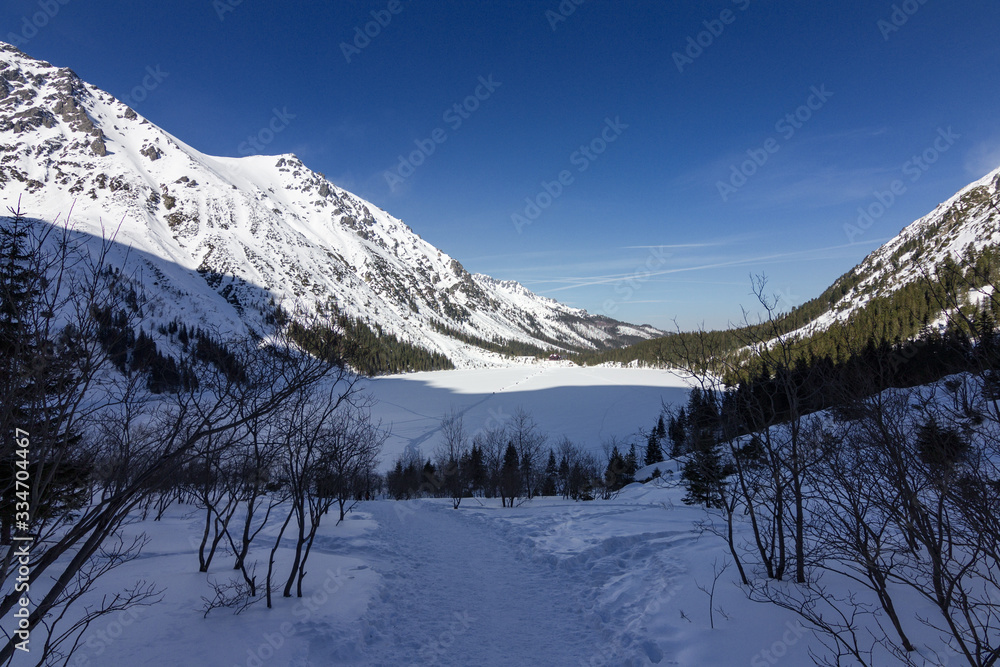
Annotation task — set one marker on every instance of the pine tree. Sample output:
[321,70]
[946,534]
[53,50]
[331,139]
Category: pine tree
[34,370]
[653,452]
[477,470]
[631,463]
[510,477]
[678,434]
[704,475]
[614,474]
[549,487]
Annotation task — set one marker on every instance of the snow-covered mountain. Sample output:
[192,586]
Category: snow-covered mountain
[951,237]
[214,240]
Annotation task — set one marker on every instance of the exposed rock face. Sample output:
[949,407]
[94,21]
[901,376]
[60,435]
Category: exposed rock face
[28,120]
[99,148]
[152,152]
[74,115]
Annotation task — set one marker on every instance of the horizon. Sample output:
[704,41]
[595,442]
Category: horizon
[639,162]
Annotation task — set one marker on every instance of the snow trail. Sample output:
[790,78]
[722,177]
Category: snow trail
[455,593]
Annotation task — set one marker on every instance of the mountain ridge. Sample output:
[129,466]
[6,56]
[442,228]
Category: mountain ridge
[267,222]
[957,230]
[943,262]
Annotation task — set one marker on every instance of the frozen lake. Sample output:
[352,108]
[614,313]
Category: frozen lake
[589,405]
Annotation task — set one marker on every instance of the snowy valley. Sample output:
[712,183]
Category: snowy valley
[234,442]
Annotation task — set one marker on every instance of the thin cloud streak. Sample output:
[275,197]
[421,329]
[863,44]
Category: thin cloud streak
[674,245]
[603,280]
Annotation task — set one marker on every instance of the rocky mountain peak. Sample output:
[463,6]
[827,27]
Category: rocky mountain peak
[222,239]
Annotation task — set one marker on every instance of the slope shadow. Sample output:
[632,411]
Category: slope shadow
[220,302]
[412,405]
[590,416]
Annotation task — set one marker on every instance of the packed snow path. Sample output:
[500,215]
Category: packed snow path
[456,593]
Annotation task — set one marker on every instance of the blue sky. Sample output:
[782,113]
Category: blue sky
[616,121]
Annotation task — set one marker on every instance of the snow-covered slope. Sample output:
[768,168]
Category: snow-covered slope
[951,235]
[214,240]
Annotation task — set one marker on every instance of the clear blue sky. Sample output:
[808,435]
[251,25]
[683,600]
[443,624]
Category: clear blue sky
[639,231]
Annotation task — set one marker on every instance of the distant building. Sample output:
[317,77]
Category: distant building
[554,357]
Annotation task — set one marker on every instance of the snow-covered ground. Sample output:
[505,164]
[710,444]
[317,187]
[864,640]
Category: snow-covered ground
[587,405]
[550,582]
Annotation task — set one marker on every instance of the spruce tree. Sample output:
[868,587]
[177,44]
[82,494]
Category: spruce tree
[704,473]
[18,290]
[35,370]
[477,470]
[510,476]
[564,475]
[942,449]
[653,452]
[614,474]
[678,434]
[454,480]
[429,476]
[551,476]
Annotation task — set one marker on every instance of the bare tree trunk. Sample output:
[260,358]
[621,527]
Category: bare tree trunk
[270,559]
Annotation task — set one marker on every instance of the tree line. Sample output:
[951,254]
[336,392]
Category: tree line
[515,462]
[367,348]
[883,321]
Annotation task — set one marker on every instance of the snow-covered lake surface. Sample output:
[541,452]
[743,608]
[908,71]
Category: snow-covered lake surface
[587,405]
